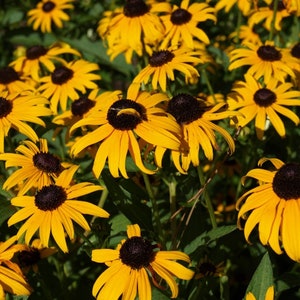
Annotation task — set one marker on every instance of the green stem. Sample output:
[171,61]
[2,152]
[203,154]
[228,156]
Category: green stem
[155,208]
[208,84]
[239,23]
[272,30]
[103,197]
[208,202]
[172,196]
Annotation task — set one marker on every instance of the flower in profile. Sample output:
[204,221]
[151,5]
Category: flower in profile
[247,34]
[11,81]
[38,166]
[11,277]
[182,24]
[244,6]
[266,13]
[53,208]
[122,123]
[273,206]
[265,61]
[36,57]
[48,12]
[163,63]
[269,294]
[130,264]
[66,80]
[16,109]
[255,101]
[199,132]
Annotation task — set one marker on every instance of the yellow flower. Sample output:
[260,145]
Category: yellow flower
[247,35]
[265,61]
[262,103]
[123,122]
[16,109]
[11,277]
[293,6]
[38,166]
[269,294]
[182,24]
[243,5]
[129,267]
[163,63]
[53,209]
[66,80]
[274,207]
[48,12]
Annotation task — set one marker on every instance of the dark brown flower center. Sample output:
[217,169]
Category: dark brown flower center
[126,114]
[61,75]
[48,6]
[296,50]
[207,269]
[264,97]
[29,258]
[185,108]
[159,58]
[47,163]
[35,52]
[180,16]
[135,8]
[286,182]
[137,252]
[268,53]
[280,6]
[5,107]
[81,106]
[8,75]
[50,197]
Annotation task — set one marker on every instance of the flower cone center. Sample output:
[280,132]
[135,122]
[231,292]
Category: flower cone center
[280,6]
[61,75]
[125,114]
[8,75]
[159,58]
[29,258]
[296,50]
[137,252]
[35,52]
[264,97]
[81,106]
[135,8]
[268,53]
[48,6]
[286,182]
[46,162]
[180,16]
[207,269]
[50,197]
[5,107]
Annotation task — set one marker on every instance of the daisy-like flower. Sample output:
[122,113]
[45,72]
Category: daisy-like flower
[274,207]
[293,6]
[37,57]
[122,122]
[269,294]
[258,102]
[38,166]
[207,268]
[265,61]
[66,80]
[48,12]
[195,119]
[11,277]
[16,109]
[163,63]
[247,35]
[11,80]
[130,264]
[182,24]
[53,209]
[266,14]
[243,5]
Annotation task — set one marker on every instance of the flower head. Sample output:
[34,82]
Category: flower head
[243,5]
[53,208]
[269,294]
[130,264]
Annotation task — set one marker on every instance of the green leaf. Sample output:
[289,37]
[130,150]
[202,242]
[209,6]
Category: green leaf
[6,211]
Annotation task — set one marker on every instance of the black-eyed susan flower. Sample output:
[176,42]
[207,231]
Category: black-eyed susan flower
[38,167]
[269,295]
[182,24]
[53,208]
[199,132]
[131,264]
[16,109]
[207,268]
[48,12]
[66,80]
[274,207]
[293,6]
[244,6]
[247,35]
[11,278]
[163,63]
[264,60]
[122,122]
[36,57]
[262,103]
